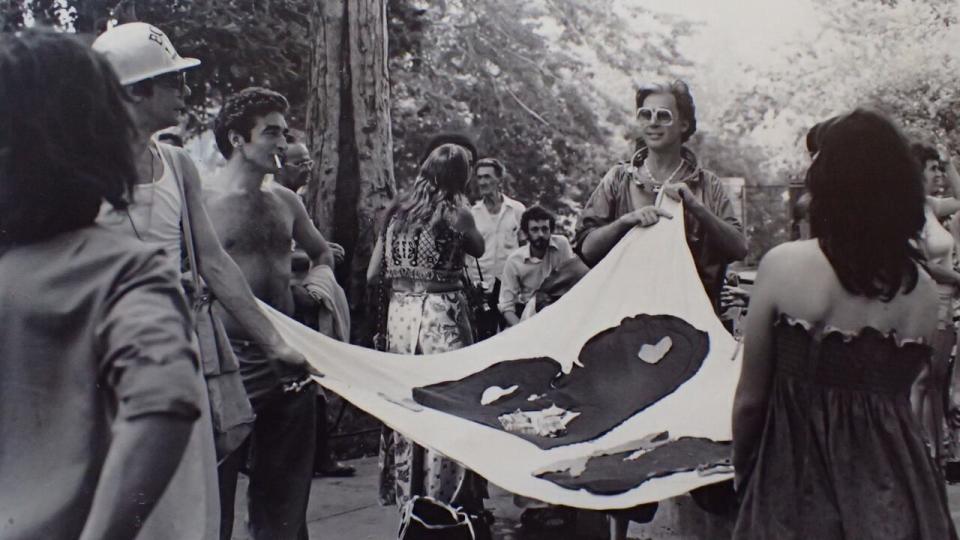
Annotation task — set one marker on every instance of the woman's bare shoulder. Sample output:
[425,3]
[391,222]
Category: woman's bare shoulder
[791,258]
[925,292]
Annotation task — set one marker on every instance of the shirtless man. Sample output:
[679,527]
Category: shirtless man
[257,223]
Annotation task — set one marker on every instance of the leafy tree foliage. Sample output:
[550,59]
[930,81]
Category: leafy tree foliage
[895,56]
[241,42]
[519,77]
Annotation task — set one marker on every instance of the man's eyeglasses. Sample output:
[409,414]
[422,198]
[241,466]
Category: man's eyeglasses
[303,164]
[649,115]
[176,80]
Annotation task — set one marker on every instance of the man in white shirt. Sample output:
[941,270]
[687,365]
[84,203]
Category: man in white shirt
[498,220]
[527,267]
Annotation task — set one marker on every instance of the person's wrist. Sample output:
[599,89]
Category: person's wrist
[694,206]
[274,343]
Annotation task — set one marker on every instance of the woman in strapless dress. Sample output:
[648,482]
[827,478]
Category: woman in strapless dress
[827,442]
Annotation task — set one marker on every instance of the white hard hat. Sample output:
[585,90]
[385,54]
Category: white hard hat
[139,51]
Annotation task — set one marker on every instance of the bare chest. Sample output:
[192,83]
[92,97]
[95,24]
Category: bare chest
[247,224]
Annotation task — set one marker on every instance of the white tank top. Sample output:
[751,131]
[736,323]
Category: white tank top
[154,215]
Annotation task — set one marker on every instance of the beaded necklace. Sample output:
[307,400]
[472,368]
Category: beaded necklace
[647,170]
[651,184]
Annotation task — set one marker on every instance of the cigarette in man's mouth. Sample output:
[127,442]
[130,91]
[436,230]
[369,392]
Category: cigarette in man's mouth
[276,159]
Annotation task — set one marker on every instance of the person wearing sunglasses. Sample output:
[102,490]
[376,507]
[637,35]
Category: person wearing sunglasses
[297,166]
[314,309]
[626,197]
[166,210]
[938,245]
[153,75]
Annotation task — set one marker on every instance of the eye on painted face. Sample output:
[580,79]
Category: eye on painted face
[656,132]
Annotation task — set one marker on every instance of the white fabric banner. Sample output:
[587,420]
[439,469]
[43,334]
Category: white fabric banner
[650,271]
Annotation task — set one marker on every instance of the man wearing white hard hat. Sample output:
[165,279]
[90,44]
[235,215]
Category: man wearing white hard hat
[153,73]
[167,210]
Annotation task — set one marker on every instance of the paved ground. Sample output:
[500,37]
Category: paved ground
[347,509]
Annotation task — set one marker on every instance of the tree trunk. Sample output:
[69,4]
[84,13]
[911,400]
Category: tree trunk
[348,131]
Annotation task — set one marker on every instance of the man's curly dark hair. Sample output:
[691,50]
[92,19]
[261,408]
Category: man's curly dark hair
[240,112]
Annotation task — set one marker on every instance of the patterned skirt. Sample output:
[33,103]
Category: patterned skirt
[425,323]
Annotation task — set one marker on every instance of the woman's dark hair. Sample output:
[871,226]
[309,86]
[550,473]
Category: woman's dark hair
[681,92]
[240,112]
[924,153]
[441,139]
[815,133]
[436,192]
[64,139]
[536,213]
[867,204]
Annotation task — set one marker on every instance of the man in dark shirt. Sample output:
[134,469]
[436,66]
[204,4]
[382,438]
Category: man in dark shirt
[626,198]
[627,194]
[257,222]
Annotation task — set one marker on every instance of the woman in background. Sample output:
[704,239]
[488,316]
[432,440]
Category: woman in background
[826,442]
[938,245]
[425,233]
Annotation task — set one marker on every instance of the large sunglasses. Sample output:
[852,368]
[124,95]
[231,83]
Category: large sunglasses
[176,80]
[649,115]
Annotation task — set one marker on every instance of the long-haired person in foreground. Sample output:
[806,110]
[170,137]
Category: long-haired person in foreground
[100,384]
[424,236]
[826,442]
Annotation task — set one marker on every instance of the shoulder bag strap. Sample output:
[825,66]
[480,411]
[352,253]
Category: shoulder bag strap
[171,161]
[479,271]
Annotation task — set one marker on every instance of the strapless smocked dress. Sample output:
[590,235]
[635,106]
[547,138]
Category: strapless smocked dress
[841,454]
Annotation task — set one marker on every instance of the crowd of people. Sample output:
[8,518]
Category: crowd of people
[141,376]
